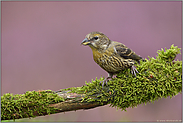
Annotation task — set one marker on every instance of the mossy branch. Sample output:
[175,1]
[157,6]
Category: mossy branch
[158,77]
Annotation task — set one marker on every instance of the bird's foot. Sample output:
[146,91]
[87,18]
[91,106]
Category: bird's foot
[105,81]
[134,70]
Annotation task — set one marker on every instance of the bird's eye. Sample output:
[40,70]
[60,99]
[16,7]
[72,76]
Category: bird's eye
[96,38]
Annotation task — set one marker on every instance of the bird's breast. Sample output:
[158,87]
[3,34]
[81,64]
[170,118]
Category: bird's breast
[110,61]
[97,56]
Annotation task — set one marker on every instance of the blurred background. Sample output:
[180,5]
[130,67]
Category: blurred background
[41,49]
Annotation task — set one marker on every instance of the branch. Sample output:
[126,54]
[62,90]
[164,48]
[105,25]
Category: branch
[157,78]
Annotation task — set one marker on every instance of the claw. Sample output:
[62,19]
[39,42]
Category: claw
[105,81]
[134,70]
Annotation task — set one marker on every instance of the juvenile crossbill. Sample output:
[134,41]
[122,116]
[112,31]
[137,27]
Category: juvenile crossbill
[110,55]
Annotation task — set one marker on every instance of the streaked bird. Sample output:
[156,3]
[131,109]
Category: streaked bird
[112,56]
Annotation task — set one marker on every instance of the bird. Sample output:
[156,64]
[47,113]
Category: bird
[110,55]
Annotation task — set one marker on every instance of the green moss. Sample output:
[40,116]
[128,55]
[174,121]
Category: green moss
[158,77]
[26,105]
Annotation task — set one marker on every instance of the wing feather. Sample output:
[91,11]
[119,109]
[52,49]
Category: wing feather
[126,53]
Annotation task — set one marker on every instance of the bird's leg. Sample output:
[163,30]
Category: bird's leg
[106,79]
[134,70]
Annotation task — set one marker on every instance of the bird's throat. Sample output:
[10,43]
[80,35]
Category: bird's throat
[94,50]
[96,54]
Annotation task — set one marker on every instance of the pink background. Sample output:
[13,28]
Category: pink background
[41,49]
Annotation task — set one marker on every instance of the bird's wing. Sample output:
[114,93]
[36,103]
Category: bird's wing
[125,52]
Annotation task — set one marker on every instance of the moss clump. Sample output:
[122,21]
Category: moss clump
[158,77]
[28,104]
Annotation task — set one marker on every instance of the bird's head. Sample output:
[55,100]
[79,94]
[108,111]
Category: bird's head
[96,40]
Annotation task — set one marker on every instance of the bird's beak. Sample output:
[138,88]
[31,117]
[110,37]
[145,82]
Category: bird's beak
[85,42]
